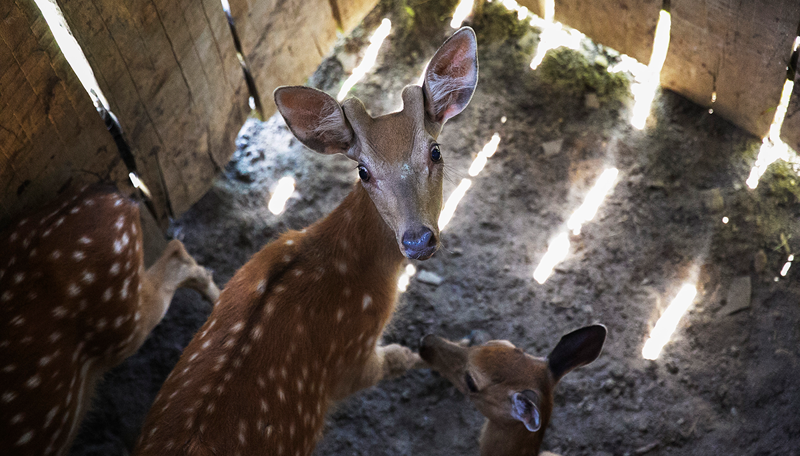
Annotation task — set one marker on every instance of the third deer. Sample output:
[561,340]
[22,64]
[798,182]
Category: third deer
[512,389]
[297,327]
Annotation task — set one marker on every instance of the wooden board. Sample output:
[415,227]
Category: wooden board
[285,40]
[534,6]
[790,132]
[738,50]
[170,73]
[51,137]
[627,26]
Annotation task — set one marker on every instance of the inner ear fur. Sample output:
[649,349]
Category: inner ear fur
[315,118]
[451,76]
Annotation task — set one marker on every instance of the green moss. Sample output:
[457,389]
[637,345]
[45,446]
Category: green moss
[570,72]
[782,182]
[494,23]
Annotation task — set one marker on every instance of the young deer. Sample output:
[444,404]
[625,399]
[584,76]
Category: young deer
[513,390]
[75,301]
[297,326]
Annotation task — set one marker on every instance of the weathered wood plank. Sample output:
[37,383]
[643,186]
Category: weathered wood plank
[738,50]
[790,132]
[627,26]
[171,75]
[51,137]
[285,40]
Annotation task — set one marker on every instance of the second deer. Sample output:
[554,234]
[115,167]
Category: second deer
[512,389]
[297,327]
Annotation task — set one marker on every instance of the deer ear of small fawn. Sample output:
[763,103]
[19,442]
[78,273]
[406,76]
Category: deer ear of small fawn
[315,118]
[525,408]
[451,77]
[576,349]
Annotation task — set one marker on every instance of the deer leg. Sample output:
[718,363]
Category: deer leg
[383,363]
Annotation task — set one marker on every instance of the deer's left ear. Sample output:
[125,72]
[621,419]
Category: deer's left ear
[451,77]
[576,349]
[525,408]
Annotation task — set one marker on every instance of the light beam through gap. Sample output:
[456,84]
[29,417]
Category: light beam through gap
[370,56]
[787,265]
[772,147]
[668,322]
[452,203]
[553,35]
[463,10]
[558,248]
[282,192]
[483,156]
[405,277]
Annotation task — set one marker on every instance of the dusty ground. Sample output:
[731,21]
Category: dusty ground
[727,382]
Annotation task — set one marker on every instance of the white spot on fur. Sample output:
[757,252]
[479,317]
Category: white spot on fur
[87,277]
[73,290]
[25,438]
[85,240]
[33,382]
[78,255]
[107,294]
[341,266]
[366,301]
[114,270]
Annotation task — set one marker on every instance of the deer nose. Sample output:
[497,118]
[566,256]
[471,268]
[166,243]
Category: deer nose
[426,348]
[420,243]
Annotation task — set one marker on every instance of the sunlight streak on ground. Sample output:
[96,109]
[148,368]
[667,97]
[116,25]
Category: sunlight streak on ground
[668,322]
[772,147]
[594,199]
[370,56]
[463,10]
[71,50]
[488,150]
[281,194]
[787,265]
[452,203]
[556,252]
[405,277]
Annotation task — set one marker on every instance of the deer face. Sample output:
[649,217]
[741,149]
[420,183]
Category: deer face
[400,164]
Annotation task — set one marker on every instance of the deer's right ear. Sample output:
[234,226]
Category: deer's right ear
[451,76]
[576,349]
[315,118]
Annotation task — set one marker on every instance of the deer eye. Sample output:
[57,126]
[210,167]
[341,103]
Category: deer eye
[363,173]
[470,383]
[436,153]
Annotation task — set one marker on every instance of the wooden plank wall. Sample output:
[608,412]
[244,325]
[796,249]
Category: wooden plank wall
[170,72]
[790,133]
[51,137]
[285,40]
[737,49]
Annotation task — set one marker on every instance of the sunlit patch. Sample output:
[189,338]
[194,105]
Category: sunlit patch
[787,265]
[463,10]
[772,147]
[646,78]
[594,199]
[282,192]
[137,183]
[553,35]
[725,220]
[452,203]
[488,150]
[666,325]
[405,277]
[559,247]
[375,42]
[71,50]
[556,252]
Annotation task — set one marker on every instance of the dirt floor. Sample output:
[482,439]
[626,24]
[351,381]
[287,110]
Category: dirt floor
[726,384]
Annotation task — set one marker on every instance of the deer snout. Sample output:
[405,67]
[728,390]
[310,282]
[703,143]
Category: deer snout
[426,350]
[420,243]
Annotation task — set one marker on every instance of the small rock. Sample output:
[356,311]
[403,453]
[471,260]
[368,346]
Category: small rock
[552,147]
[429,278]
[591,101]
[739,295]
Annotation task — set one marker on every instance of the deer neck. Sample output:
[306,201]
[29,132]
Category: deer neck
[356,230]
[499,439]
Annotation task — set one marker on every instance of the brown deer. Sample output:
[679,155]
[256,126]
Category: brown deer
[512,389]
[297,327]
[75,300]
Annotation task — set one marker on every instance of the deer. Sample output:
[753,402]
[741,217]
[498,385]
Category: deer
[511,388]
[297,327]
[75,301]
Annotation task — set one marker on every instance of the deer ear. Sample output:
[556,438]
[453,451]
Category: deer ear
[315,118]
[525,408]
[576,349]
[451,76]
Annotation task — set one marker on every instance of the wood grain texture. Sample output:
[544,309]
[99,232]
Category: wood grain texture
[790,131]
[170,72]
[284,41]
[738,50]
[627,26]
[51,137]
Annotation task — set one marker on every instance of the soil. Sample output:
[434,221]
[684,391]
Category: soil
[725,384]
